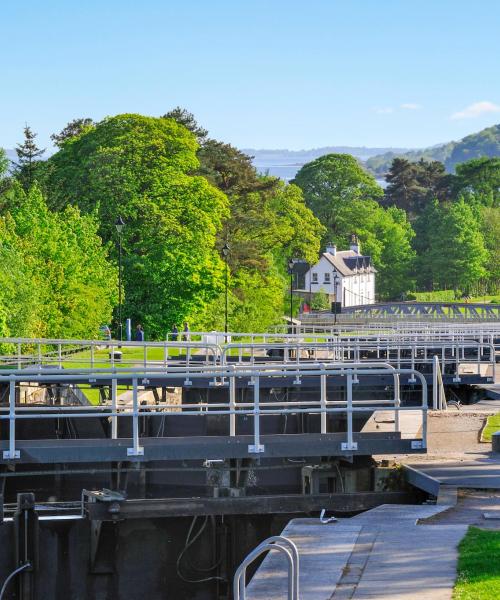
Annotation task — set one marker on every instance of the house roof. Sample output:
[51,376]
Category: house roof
[348,262]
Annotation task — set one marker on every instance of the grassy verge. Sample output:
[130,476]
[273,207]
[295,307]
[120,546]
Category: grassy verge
[492,425]
[478,566]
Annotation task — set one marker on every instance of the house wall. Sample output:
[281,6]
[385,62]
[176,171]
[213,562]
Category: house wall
[351,291]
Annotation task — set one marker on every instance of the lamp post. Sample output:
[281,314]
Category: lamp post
[335,280]
[120,224]
[225,253]
[290,272]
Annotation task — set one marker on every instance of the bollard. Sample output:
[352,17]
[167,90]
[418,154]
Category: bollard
[495,442]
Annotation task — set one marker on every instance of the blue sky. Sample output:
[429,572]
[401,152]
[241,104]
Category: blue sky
[261,74]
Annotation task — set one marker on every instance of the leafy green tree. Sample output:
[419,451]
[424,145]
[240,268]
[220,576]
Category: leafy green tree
[490,228]
[73,129]
[28,155]
[268,223]
[139,167]
[4,163]
[332,181]
[57,281]
[344,198]
[320,300]
[481,178]
[456,255]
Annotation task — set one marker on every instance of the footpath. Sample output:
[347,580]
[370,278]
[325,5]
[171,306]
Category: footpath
[401,552]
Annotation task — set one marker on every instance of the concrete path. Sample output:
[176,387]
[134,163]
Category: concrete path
[410,423]
[323,553]
[481,473]
[381,554]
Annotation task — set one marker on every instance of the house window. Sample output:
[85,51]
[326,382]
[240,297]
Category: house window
[315,278]
[327,278]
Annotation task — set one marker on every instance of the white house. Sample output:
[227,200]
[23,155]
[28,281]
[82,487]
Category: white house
[346,276]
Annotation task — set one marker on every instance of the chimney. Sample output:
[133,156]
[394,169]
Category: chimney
[331,248]
[355,247]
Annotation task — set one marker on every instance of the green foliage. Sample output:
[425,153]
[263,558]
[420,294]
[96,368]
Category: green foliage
[478,566]
[331,182]
[455,254]
[436,296]
[56,280]
[490,228]
[412,185]
[320,300]
[268,223]
[344,197]
[139,167]
[480,178]
[73,129]
[4,163]
[28,157]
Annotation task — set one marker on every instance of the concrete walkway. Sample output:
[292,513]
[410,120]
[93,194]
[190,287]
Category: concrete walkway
[381,554]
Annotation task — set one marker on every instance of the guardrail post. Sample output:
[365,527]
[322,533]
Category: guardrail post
[256,447]
[323,402]
[12,453]
[136,450]
[457,379]
[114,418]
[435,367]
[351,444]
[232,404]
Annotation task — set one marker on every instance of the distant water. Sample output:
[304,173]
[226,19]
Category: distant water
[285,171]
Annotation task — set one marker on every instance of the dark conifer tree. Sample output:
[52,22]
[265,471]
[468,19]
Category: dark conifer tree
[28,154]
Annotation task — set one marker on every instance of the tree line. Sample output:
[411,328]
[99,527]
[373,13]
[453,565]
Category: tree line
[183,196]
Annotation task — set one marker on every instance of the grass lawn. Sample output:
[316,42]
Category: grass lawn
[478,566]
[492,425]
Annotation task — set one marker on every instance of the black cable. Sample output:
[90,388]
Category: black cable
[188,544]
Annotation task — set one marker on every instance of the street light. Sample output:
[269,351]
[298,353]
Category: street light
[120,224]
[335,280]
[291,264]
[225,253]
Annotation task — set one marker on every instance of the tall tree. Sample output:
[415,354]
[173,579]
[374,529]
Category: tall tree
[28,154]
[187,120]
[72,130]
[456,255]
[57,280]
[268,223]
[331,182]
[481,178]
[140,168]
[411,185]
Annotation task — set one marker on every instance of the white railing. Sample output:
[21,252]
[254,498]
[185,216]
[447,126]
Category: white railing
[226,377]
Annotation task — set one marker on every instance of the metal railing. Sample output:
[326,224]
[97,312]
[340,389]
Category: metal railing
[401,353]
[280,544]
[227,377]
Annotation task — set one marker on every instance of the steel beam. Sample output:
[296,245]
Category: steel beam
[201,447]
[246,505]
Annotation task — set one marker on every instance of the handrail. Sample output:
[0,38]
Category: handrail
[256,408]
[438,391]
[283,545]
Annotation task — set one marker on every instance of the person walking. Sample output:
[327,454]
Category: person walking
[175,333]
[139,333]
[186,332]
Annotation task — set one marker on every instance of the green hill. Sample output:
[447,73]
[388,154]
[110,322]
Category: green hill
[483,143]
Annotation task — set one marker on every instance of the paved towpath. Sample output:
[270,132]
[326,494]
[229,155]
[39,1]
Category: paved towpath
[382,554]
